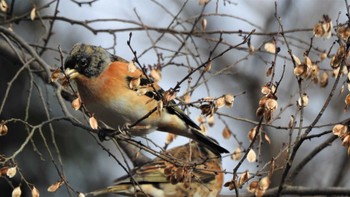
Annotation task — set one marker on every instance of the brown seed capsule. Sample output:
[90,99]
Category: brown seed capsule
[35,192]
[270,47]
[3,6]
[267,138]
[211,121]
[237,153]
[251,156]
[229,99]
[55,75]
[93,122]
[340,130]
[251,134]
[347,99]
[204,24]
[304,102]
[207,67]
[134,83]
[271,104]
[169,95]
[76,103]
[3,129]
[324,79]
[54,187]
[253,186]
[11,172]
[155,74]
[33,14]
[318,31]
[16,192]
[81,194]
[226,133]
[131,67]
[220,102]
[346,140]
[264,183]
[300,69]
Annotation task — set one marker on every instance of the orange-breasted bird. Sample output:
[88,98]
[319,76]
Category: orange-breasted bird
[201,176]
[104,85]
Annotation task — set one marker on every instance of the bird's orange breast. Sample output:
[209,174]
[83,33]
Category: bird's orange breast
[109,97]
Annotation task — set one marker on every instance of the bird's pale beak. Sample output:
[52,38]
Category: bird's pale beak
[71,73]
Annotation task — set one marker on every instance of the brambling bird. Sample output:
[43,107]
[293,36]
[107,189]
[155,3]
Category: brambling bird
[104,85]
[201,175]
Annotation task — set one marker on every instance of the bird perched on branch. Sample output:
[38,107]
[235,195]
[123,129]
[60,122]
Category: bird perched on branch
[119,95]
[200,175]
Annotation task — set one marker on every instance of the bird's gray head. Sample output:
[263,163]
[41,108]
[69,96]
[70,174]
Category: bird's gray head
[87,60]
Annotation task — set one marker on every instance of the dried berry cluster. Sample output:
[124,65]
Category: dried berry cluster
[177,175]
[268,103]
[343,133]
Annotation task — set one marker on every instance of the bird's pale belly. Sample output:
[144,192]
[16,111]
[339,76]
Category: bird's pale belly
[117,114]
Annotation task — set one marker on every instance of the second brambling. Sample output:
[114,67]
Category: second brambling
[201,175]
[103,82]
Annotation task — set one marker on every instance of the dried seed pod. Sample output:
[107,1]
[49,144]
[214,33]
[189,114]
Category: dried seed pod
[35,192]
[76,103]
[169,95]
[55,75]
[264,183]
[131,66]
[33,14]
[11,172]
[3,6]
[207,67]
[267,138]
[304,102]
[265,89]
[3,129]
[220,102]
[300,70]
[346,140]
[251,157]
[229,99]
[271,104]
[155,74]
[340,130]
[270,47]
[237,153]
[226,133]
[323,56]
[204,24]
[16,192]
[211,121]
[54,187]
[134,83]
[244,177]
[93,122]
[253,186]
[81,194]
[296,60]
[252,133]
[324,79]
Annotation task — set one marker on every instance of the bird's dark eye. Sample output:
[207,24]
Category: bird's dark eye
[83,62]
